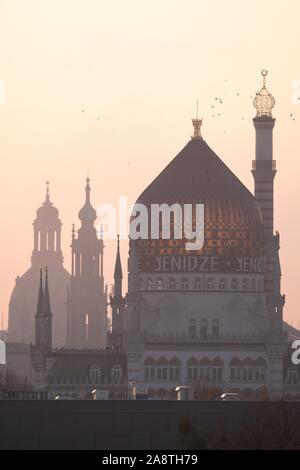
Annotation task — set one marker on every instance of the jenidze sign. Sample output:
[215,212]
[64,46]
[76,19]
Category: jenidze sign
[199,264]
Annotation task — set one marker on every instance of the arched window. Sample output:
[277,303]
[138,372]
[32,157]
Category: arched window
[116,374]
[253,284]
[197,284]
[172,283]
[184,283]
[192,328]
[222,284]
[95,374]
[245,283]
[149,283]
[203,329]
[234,284]
[215,332]
[160,284]
[210,283]
[291,376]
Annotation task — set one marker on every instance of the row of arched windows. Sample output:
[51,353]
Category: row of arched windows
[96,376]
[204,332]
[205,369]
[211,284]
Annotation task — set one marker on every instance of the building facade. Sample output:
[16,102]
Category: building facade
[210,318]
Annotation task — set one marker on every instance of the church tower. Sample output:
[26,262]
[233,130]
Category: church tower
[87,296]
[117,302]
[47,234]
[46,252]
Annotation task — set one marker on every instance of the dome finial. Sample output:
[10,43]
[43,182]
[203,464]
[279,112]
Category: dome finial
[197,123]
[264,101]
[47,191]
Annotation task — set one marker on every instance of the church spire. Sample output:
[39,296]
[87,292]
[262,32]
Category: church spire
[118,274]
[46,309]
[40,296]
[118,267]
[117,303]
[43,318]
[87,214]
[47,198]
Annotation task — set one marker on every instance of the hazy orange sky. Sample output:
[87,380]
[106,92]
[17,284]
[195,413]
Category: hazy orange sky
[139,66]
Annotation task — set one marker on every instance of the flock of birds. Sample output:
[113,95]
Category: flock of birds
[215,109]
[220,101]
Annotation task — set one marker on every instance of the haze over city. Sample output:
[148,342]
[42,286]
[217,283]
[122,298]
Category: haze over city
[92,87]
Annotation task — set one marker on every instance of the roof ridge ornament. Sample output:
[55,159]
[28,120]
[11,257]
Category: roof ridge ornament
[197,123]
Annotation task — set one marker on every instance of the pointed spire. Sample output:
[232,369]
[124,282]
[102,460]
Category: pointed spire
[46,309]
[87,190]
[118,267]
[47,190]
[73,231]
[47,201]
[40,296]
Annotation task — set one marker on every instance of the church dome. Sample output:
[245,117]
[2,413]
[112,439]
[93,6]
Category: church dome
[233,222]
[87,213]
[47,211]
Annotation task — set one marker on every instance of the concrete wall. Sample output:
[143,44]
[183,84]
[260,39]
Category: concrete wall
[112,424]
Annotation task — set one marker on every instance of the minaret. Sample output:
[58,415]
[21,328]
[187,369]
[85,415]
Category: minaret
[43,317]
[117,302]
[264,170]
[86,300]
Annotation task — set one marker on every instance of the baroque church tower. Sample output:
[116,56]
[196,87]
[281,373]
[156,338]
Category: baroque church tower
[46,252]
[87,299]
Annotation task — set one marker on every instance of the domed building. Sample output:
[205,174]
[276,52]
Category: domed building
[46,252]
[209,316]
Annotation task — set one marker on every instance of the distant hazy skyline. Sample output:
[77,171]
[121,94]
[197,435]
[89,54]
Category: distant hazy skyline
[110,88]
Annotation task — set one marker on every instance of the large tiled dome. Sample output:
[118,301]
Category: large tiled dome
[233,223]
